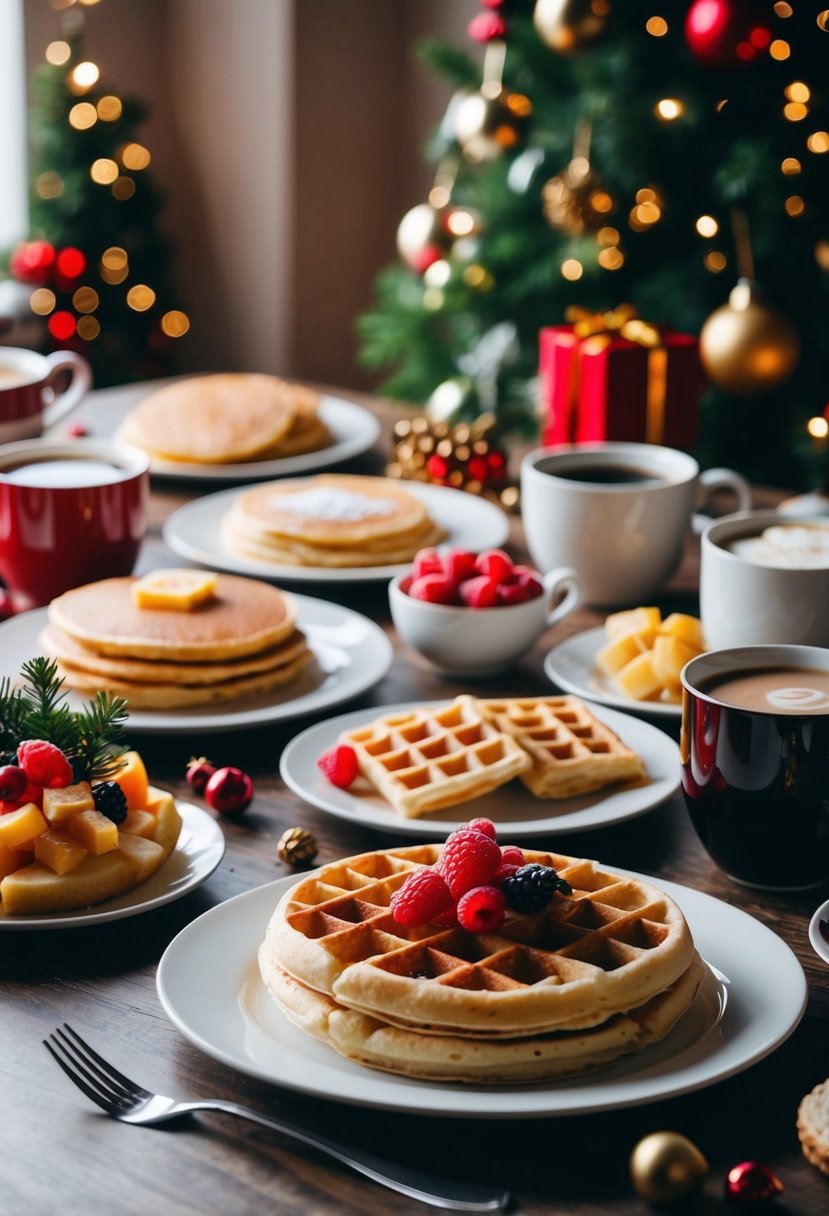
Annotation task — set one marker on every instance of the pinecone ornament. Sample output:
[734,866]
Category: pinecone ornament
[297,847]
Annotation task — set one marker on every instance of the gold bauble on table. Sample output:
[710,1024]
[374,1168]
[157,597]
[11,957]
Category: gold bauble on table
[490,122]
[665,1166]
[746,347]
[569,25]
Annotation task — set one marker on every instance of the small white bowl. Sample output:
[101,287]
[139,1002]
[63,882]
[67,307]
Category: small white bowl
[820,944]
[478,641]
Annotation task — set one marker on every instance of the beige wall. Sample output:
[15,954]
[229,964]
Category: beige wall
[286,135]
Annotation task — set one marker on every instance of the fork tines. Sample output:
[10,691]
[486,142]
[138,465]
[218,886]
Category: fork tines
[92,1074]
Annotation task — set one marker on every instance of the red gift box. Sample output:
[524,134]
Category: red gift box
[612,376]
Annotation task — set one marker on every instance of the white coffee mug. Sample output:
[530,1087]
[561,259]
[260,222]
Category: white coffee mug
[32,396]
[618,513]
[744,601]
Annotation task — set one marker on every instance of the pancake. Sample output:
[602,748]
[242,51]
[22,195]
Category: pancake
[236,539]
[218,419]
[246,617]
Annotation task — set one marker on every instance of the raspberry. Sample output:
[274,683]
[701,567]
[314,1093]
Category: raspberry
[458,565]
[505,870]
[482,825]
[513,593]
[469,859]
[434,589]
[514,856]
[495,564]
[44,764]
[531,583]
[405,584]
[110,800]
[339,764]
[422,897]
[481,910]
[426,561]
[531,888]
[480,592]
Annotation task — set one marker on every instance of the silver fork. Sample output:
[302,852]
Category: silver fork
[123,1099]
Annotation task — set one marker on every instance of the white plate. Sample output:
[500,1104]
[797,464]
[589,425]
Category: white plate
[571,666]
[512,807]
[209,986]
[200,848]
[352,654]
[470,522]
[353,429]
[820,944]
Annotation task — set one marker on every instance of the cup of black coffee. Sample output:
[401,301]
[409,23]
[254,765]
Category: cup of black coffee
[754,747]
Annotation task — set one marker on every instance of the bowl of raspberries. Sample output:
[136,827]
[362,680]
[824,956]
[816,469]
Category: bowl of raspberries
[476,613]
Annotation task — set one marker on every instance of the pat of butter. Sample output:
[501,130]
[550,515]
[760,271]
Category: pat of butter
[181,590]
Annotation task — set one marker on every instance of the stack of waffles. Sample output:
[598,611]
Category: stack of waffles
[597,974]
[422,760]
[227,419]
[331,521]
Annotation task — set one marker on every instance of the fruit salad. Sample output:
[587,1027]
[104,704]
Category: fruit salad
[475,580]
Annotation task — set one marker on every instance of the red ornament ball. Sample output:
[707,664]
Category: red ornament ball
[486,26]
[229,791]
[32,261]
[199,772]
[726,33]
[749,1183]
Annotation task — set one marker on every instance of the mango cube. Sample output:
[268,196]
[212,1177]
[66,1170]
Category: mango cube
[12,859]
[684,628]
[21,826]
[669,657]
[632,620]
[639,680]
[59,851]
[60,804]
[619,652]
[94,831]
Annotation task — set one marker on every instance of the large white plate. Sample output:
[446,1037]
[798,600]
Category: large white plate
[209,986]
[353,430]
[200,848]
[352,654]
[512,807]
[471,523]
[572,667]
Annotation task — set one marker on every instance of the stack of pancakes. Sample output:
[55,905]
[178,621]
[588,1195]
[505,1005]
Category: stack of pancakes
[605,971]
[242,641]
[227,419]
[333,520]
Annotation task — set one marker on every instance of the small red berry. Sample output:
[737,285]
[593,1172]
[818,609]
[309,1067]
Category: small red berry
[532,583]
[505,870]
[422,897]
[483,825]
[482,910]
[77,430]
[199,772]
[44,764]
[469,859]
[426,561]
[229,791]
[513,593]
[405,584]
[481,592]
[511,854]
[13,782]
[495,564]
[433,589]
[458,565]
[339,765]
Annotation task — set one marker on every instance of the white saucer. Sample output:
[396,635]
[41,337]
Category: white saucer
[471,523]
[200,848]
[512,807]
[571,666]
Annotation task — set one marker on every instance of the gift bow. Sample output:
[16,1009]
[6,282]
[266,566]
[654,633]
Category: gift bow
[621,322]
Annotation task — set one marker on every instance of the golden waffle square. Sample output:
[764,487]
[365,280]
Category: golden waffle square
[572,752]
[610,947]
[423,759]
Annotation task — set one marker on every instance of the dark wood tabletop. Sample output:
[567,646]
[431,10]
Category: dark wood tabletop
[61,1156]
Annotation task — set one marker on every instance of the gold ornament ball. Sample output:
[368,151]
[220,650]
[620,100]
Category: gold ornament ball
[296,847]
[487,124]
[664,1166]
[568,25]
[422,236]
[746,347]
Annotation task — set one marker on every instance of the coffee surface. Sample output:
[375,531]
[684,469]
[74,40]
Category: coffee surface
[63,473]
[779,690]
[794,546]
[10,376]
[603,474]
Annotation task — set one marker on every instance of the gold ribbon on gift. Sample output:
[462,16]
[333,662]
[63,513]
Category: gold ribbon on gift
[594,331]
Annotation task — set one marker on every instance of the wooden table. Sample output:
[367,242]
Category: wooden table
[60,1156]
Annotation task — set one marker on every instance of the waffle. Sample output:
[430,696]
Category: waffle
[571,751]
[421,760]
[369,1040]
[612,946]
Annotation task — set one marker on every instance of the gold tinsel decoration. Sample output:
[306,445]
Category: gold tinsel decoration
[465,456]
[297,847]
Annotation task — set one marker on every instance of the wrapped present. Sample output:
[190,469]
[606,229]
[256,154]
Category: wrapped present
[613,376]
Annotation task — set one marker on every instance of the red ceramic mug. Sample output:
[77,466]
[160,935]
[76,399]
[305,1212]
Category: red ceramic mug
[70,513]
[33,392]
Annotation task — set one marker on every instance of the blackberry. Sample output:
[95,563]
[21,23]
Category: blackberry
[532,887]
[110,800]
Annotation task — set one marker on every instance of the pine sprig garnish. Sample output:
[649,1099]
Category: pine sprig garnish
[90,737]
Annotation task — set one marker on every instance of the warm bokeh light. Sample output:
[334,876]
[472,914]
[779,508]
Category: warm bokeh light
[42,301]
[83,116]
[707,226]
[608,236]
[114,258]
[438,274]
[134,156]
[572,269]
[439,197]
[823,19]
[798,91]
[49,185]
[715,261]
[656,26]
[433,299]
[818,141]
[85,299]
[818,427]
[601,201]
[611,259]
[669,109]
[82,77]
[141,297]
[123,188]
[795,205]
[175,323]
[58,53]
[103,171]
[795,111]
[780,49]
[782,9]
[647,195]
[479,277]
[109,108]
[520,105]
[790,166]
[822,254]
[114,277]
[460,222]
[88,328]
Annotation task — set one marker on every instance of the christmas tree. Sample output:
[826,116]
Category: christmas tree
[647,154]
[96,261]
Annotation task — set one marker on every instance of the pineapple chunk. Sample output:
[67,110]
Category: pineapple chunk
[20,826]
[94,831]
[36,888]
[139,823]
[669,657]
[60,804]
[180,590]
[684,628]
[12,859]
[632,620]
[639,680]
[616,654]
[59,852]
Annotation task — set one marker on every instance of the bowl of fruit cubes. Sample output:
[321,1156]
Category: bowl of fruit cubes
[473,614]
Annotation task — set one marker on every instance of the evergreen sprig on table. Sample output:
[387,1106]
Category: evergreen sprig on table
[36,709]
